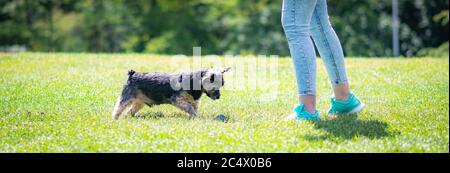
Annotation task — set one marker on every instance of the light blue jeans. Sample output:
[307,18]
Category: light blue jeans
[301,20]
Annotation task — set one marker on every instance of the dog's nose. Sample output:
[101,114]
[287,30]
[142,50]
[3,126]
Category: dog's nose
[218,96]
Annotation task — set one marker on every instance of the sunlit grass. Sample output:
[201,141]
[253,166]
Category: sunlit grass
[63,103]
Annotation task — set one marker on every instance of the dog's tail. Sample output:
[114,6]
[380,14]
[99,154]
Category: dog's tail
[130,73]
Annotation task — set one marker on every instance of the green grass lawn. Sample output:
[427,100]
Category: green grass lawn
[63,103]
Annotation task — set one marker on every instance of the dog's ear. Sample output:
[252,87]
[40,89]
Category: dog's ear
[223,70]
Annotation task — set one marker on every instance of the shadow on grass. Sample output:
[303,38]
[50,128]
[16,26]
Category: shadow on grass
[348,127]
[158,115]
[148,115]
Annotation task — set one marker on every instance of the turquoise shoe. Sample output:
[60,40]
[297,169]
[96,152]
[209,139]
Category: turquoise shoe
[301,113]
[351,106]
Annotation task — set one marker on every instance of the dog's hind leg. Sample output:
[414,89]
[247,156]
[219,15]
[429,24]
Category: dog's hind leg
[135,107]
[124,101]
[120,107]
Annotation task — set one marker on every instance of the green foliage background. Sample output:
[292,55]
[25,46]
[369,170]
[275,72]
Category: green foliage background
[219,27]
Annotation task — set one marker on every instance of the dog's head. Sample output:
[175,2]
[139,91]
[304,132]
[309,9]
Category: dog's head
[212,81]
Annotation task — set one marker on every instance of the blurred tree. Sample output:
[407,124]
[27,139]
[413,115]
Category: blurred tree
[105,25]
[30,22]
[219,27]
[364,27]
[419,29]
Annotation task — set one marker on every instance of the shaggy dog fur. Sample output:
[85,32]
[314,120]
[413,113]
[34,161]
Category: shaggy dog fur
[182,90]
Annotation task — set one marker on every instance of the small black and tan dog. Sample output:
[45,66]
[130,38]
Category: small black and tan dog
[182,90]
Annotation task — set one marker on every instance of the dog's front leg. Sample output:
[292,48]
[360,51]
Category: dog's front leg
[184,102]
[185,106]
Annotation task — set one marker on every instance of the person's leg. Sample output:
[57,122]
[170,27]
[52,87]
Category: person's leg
[330,50]
[296,19]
